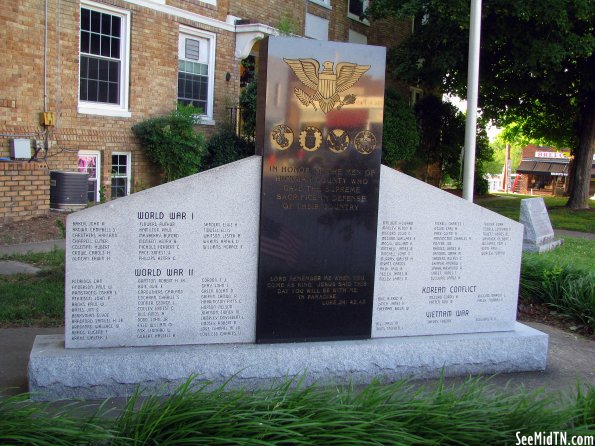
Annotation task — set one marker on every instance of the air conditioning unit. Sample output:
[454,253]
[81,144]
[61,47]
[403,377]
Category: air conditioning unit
[20,148]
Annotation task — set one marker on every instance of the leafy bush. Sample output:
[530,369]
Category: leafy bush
[172,142]
[225,147]
[400,137]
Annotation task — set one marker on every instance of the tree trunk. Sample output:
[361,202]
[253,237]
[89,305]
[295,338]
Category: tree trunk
[583,157]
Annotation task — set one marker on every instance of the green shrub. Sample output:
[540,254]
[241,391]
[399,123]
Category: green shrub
[172,142]
[247,104]
[225,147]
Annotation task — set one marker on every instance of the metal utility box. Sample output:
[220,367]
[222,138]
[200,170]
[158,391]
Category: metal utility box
[20,148]
[68,190]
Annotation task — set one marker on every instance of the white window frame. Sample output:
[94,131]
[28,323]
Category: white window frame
[316,27]
[355,37]
[324,3]
[98,108]
[128,171]
[186,31]
[97,154]
[355,17]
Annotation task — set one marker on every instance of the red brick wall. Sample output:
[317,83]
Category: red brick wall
[153,80]
[523,183]
[24,190]
[271,12]
[153,71]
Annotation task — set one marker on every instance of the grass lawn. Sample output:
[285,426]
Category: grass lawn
[561,217]
[37,300]
[577,254]
[564,280]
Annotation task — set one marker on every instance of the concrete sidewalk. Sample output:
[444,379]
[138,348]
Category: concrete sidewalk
[575,234]
[9,267]
[24,248]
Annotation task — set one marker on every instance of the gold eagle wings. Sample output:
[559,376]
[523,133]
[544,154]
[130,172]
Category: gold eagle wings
[327,84]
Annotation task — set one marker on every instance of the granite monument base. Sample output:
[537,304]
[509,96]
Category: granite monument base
[530,246]
[56,373]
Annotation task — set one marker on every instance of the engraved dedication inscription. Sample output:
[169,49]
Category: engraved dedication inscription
[321,141]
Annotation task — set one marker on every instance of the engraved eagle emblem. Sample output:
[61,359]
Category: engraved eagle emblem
[327,84]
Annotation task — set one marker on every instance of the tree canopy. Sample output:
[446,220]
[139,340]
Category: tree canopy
[536,66]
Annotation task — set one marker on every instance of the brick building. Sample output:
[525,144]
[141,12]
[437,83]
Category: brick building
[544,171]
[98,67]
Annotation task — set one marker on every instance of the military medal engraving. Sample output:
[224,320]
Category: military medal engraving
[326,84]
[365,142]
[310,139]
[282,137]
[321,140]
[337,140]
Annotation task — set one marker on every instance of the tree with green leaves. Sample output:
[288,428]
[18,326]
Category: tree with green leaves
[536,66]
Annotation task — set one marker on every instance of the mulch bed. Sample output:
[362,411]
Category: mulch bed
[536,312]
[37,229]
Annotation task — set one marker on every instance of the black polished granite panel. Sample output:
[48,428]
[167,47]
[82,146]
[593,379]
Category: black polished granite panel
[321,140]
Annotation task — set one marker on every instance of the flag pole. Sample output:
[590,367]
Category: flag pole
[472,93]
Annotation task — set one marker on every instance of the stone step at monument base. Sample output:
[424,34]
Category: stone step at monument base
[96,373]
[530,246]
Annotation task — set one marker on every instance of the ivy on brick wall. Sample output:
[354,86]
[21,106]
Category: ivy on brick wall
[173,143]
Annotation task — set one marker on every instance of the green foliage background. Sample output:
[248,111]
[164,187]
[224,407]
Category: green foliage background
[225,147]
[173,143]
[536,66]
[400,138]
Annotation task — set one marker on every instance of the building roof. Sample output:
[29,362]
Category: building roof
[551,167]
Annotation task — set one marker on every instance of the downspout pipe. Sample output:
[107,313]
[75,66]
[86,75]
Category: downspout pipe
[45,58]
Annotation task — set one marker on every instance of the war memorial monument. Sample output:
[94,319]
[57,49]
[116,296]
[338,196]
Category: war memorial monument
[306,258]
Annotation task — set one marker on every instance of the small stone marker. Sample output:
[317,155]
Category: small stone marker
[538,234]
